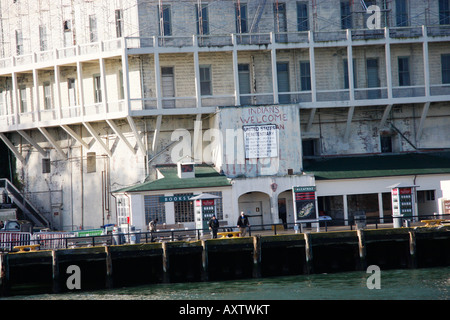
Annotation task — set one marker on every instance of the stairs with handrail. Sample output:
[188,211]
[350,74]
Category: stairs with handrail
[23,203]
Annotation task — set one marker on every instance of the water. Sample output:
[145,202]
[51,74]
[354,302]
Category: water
[410,284]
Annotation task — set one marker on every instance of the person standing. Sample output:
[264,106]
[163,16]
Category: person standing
[242,224]
[152,228]
[214,226]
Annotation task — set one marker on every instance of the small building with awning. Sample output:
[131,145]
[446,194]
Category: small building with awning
[167,198]
[361,184]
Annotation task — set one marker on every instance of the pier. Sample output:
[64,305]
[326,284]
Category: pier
[100,267]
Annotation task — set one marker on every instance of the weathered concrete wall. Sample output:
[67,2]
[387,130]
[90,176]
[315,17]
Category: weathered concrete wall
[231,120]
[330,124]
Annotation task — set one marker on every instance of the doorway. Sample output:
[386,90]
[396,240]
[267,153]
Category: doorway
[254,211]
[282,211]
[168,87]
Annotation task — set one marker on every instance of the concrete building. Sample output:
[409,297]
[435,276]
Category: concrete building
[96,94]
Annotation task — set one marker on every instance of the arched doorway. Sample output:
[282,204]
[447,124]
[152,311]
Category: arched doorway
[286,208]
[256,205]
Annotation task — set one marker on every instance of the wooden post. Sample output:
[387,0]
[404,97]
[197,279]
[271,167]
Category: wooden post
[257,256]
[205,273]
[361,249]
[4,275]
[412,249]
[109,269]
[55,273]
[309,253]
[165,257]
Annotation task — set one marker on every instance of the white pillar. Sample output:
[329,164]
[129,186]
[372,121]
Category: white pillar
[312,66]
[344,200]
[198,93]
[388,63]
[426,62]
[273,56]
[237,98]
[103,82]
[81,87]
[125,76]
[58,92]
[380,206]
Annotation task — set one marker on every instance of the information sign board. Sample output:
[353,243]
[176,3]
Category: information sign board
[260,141]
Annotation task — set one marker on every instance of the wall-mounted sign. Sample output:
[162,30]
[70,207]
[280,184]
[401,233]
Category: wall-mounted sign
[305,203]
[260,141]
[446,204]
[175,198]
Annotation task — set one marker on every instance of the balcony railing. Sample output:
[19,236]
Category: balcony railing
[136,103]
[225,40]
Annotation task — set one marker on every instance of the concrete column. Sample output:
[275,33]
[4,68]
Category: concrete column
[426,62]
[309,253]
[361,249]
[36,100]
[109,269]
[58,104]
[380,206]
[81,87]
[257,256]
[412,249]
[55,272]
[312,66]
[198,93]
[237,98]
[205,273]
[388,63]
[273,56]
[15,98]
[125,76]
[104,85]
[165,263]
[344,198]
[350,66]
[274,209]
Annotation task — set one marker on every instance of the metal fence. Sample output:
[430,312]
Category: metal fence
[64,240]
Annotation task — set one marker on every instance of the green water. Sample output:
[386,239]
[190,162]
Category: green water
[411,284]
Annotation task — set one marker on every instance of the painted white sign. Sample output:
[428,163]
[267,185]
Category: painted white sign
[260,141]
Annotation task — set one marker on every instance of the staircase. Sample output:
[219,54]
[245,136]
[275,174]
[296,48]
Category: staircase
[26,206]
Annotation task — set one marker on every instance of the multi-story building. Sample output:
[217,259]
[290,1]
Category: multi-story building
[99,98]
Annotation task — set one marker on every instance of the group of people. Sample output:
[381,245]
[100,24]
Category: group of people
[213,225]
[242,224]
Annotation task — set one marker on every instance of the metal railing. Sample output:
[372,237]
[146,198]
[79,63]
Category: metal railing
[68,240]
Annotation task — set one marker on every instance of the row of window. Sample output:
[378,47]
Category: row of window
[402,16]
[244,76]
[48,94]
[68,33]
[402,19]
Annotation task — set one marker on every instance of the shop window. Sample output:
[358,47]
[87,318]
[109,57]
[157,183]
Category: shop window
[154,209]
[184,210]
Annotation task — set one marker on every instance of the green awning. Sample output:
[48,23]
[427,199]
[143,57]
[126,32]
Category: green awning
[382,165]
[205,177]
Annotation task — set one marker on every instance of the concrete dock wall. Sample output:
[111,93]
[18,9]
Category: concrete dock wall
[49,271]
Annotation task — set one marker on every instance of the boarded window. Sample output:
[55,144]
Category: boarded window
[91,162]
